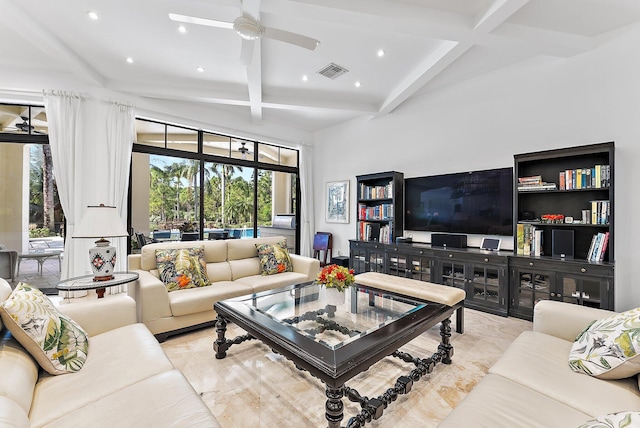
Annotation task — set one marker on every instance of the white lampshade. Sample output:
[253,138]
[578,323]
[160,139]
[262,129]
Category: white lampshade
[101,222]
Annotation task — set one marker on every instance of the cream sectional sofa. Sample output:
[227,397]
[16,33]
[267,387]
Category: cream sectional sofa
[531,385]
[233,268]
[127,380]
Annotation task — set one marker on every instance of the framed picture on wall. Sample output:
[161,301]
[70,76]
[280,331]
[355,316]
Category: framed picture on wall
[337,201]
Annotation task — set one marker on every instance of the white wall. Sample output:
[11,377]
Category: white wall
[481,123]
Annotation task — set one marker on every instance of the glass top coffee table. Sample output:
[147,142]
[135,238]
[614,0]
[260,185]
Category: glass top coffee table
[335,342]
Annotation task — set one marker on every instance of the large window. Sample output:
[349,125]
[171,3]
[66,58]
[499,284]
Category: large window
[244,184]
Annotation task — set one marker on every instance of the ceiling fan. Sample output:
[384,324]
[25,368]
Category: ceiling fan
[243,150]
[250,29]
[25,126]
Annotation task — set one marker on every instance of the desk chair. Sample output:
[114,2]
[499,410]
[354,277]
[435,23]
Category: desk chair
[322,247]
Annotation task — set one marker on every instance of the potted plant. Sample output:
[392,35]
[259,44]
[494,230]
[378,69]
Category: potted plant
[336,279]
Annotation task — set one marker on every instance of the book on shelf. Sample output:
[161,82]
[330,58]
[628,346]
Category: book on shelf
[520,239]
[371,231]
[529,240]
[376,192]
[532,187]
[377,212]
[595,177]
[530,180]
[600,211]
[598,247]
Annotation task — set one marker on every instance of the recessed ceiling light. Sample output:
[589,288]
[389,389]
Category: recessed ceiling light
[200,69]
[182,29]
[305,78]
[91,14]
[380,52]
[357,84]
[130,60]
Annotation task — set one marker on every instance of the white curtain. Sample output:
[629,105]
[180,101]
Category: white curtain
[65,139]
[307,219]
[120,138]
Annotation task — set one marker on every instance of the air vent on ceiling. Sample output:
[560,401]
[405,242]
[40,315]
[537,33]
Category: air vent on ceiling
[332,71]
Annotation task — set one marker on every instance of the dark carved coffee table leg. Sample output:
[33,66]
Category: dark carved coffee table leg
[220,345]
[445,346]
[334,407]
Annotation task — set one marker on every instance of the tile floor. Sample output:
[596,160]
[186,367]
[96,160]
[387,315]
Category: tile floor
[254,387]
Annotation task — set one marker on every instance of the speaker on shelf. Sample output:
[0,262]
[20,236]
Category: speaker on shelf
[562,243]
[448,240]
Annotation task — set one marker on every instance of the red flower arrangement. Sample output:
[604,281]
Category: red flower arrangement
[334,276]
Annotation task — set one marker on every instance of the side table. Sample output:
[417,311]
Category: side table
[86,282]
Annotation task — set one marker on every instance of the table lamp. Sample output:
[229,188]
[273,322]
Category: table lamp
[101,222]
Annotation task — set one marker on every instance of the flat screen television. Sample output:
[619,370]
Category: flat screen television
[477,202]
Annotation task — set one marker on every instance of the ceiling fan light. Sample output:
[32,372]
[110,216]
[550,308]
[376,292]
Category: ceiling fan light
[247,28]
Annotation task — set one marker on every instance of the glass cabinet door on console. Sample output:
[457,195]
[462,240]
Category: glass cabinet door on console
[454,274]
[589,285]
[376,258]
[529,285]
[422,268]
[398,264]
[409,263]
[485,284]
[358,257]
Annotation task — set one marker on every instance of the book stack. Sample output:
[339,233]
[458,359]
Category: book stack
[534,182]
[529,240]
[596,177]
[598,247]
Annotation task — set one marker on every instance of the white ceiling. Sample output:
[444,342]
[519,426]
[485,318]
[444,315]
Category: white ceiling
[428,44]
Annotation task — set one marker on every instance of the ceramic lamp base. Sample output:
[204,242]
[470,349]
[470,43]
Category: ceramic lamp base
[103,260]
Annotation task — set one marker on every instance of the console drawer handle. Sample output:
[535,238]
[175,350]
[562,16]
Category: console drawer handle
[450,255]
[486,260]
[530,263]
[583,270]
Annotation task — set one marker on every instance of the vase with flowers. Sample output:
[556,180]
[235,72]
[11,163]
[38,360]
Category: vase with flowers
[336,279]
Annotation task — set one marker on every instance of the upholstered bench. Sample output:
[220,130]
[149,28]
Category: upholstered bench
[421,290]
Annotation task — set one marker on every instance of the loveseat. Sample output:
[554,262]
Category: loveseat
[126,380]
[532,385]
[232,267]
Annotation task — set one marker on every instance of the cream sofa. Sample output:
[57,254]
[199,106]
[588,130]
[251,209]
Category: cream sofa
[127,380]
[232,267]
[531,385]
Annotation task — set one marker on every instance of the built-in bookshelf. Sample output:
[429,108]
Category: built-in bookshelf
[566,194]
[380,206]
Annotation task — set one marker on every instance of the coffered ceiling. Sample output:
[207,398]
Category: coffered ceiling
[427,44]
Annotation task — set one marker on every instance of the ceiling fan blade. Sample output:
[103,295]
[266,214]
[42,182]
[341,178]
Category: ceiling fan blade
[246,53]
[293,38]
[200,21]
[251,8]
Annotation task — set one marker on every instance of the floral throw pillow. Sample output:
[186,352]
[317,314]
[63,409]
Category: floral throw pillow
[614,420]
[56,342]
[182,268]
[274,258]
[608,348]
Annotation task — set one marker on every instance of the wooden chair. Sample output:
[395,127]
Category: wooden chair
[322,247]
